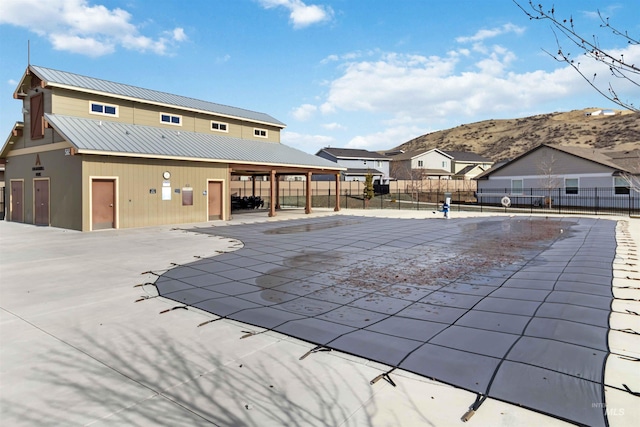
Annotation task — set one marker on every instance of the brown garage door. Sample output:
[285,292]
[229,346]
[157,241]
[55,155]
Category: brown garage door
[17,210]
[215,200]
[103,204]
[41,201]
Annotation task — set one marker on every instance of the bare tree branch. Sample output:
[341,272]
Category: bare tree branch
[618,67]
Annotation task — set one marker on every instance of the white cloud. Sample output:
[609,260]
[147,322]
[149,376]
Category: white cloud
[300,14]
[76,26]
[223,59]
[306,142]
[408,93]
[388,138]
[334,126]
[304,112]
[179,34]
[12,82]
[482,35]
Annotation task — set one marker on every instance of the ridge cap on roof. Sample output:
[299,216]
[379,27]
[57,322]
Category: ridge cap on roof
[41,69]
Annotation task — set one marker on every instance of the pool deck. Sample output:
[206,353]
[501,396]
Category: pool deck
[77,349]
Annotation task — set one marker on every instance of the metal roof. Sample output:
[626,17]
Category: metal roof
[354,171]
[415,153]
[91,136]
[467,156]
[352,153]
[65,79]
[618,161]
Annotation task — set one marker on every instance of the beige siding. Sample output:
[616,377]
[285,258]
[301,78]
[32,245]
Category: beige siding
[137,206]
[71,103]
[65,187]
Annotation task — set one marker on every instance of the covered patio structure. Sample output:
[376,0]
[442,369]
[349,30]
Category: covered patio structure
[274,172]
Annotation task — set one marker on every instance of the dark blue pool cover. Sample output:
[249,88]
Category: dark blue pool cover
[515,309]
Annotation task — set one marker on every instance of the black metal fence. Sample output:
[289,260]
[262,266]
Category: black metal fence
[586,201]
[570,200]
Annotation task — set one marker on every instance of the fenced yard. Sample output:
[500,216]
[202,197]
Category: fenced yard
[430,195]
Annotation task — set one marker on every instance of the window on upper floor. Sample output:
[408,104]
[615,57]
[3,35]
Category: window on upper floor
[420,163]
[220,127]
[171,119]
[378,164]
[260,133]
[103,109]
[571,186]
[621,185]
[444,164]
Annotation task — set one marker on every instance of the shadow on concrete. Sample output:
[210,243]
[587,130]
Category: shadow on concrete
[133,381]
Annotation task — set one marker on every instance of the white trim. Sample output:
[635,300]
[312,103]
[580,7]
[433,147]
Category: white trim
[226,125]
[171,117]
[92,103]
[568,175]
[39,149]
[627,186]
[116,195]
[565,186]
[257,132]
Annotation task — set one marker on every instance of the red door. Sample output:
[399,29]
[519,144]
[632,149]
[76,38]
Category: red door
[103,204]
[17,208]
[215,200]
[41,201]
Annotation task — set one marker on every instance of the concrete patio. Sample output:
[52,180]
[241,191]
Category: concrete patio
[76,349]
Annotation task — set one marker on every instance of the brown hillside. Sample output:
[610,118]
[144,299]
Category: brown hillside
[505,139]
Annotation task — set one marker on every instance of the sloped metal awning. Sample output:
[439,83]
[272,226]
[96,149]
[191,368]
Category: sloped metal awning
[102,137]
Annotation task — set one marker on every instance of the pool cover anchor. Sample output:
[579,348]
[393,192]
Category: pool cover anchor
[385,376]
[174,308]
[146,297]
[314,350]
[209,321]
[480,398]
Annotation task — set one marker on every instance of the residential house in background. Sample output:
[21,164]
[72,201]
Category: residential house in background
[421,164]
[358,164]
[571,176]
[468,165]
[93,154]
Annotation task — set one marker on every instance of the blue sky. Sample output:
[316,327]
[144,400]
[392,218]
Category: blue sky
[366,74]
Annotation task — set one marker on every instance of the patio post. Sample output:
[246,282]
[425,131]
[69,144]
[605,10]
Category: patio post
[337,208]
[273,194]
[307,204]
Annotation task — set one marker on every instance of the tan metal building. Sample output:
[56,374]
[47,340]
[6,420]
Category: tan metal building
[94,154]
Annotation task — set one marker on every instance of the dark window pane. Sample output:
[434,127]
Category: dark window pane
[165,118]
[96,108]
[622,190]
[109,110]
[175,119]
